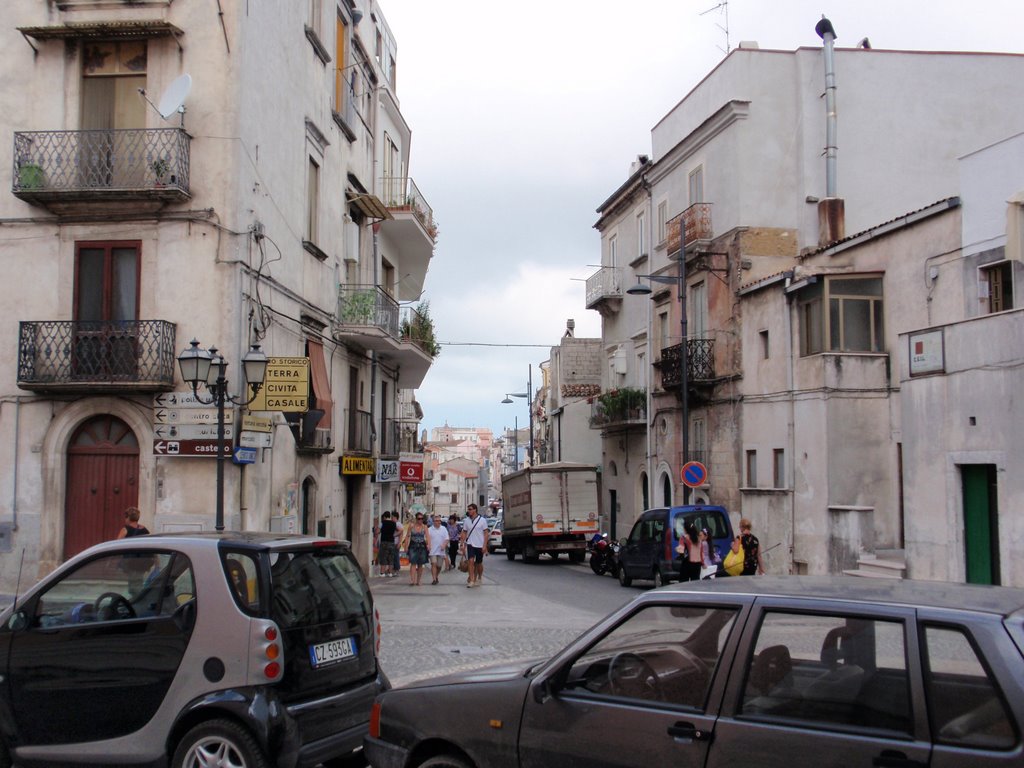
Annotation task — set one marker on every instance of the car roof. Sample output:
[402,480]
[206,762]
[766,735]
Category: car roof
[904,592]
[264,539]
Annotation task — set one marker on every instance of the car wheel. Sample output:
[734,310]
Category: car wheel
[445,761]
[624,578]
[221,743]
[510,554]
[660,579]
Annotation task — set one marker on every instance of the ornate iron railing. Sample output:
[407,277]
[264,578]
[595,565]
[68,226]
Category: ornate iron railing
[603,284]
[692,225]
[358,435]
[78,354]
[602,416]
[369,306]
[100,161]
[700,362]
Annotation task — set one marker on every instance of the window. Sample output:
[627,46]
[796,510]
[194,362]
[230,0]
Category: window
[641,234]
[997,286]
[312,201]
[697,185]
[764,344]
[315,16]
[662,220]
[661,654]
[663,332]
[699,440]
[698,306]
[967,709]
[853,322]
[106,306]
[118,587]
[829,670]
[612,245]
[779,468]
[752,469]
[455,498]
[340,66]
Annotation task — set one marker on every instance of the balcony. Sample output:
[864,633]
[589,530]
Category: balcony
[411,231]
[695,223]
[700,363]
[604,291]
[66,171]
[370,319]
[96,356]
[619,409]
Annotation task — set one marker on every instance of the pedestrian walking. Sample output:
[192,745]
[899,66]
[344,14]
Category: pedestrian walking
[454,532]
[132,526]
[474,540]
[752,563]
[437,548]
[690,554]
[386,555]
[415,545]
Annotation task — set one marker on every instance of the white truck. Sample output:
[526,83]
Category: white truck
[551,508]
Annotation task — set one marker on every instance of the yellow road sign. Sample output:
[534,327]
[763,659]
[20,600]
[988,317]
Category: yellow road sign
[286,387]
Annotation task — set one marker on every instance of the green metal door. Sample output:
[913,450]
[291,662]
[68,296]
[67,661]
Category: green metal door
[981,528]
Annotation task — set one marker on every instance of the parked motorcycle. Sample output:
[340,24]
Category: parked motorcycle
[604,555]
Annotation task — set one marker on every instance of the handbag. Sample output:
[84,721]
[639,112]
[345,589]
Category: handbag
[733,563]
[464,565]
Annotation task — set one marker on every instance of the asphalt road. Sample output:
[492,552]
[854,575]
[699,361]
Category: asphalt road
[521,612]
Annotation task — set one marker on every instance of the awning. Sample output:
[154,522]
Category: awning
[370,205]
[105,30]
[321,383]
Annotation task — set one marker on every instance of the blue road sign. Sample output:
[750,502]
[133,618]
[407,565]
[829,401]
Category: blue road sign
[693,474]
[244,455]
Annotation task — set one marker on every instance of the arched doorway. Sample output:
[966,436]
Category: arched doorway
[102,480]
[666,490]
[309,507]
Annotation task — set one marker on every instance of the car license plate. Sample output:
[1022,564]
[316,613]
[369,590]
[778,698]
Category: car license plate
[324,654]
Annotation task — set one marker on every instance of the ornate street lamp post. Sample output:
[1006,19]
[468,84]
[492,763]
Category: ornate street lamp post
[201,366]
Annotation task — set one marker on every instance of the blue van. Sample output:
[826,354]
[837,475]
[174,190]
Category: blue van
[650,550]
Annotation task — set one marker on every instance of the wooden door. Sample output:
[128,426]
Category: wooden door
[102,480]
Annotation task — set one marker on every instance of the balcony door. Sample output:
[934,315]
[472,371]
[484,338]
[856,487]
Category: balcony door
[106,311]
[112,155]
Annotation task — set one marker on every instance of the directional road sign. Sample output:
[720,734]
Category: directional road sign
[191,416]
[286,386]
[191,431]
[244,455]
[190,448]
[693,474]
[178,400]
[256,439]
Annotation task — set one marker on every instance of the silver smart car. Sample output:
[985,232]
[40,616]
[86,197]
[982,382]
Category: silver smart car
[239,649]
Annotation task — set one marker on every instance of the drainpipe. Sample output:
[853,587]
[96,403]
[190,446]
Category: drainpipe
[791,425]
[831,211]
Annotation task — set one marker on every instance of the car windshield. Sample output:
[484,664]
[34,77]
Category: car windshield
[710,520]
[315,587]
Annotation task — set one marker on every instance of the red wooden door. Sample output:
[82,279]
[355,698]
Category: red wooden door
[103,469]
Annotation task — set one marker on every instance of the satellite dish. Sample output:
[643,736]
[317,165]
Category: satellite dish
[174,97]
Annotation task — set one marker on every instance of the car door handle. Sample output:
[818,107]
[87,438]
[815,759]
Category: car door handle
[892,758]
[689,731]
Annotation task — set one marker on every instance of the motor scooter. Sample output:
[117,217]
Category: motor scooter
[604,555]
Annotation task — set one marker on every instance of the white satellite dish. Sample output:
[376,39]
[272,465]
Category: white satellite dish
[174,97]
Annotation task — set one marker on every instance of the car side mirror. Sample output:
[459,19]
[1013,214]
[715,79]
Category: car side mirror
[542,691]
[18,621]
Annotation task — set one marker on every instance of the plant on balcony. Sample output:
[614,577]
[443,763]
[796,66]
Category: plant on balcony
[620,403]
[160,167]
[359,307]
[419,328]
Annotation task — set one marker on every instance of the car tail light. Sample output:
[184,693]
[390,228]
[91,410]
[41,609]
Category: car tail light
[375,720]
[376,631]
[267,652]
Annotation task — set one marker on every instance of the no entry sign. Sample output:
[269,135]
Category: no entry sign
[693,474]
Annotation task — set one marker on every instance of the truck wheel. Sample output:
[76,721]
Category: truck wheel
[510,554]
[624,578]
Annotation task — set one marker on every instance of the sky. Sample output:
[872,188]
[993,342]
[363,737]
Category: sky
[525,117]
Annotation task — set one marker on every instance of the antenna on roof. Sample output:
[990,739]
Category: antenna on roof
[724,7]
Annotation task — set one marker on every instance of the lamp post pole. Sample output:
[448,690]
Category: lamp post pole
[209,367]
[529,404]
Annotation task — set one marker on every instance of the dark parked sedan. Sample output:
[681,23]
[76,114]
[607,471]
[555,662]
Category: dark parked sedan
[776,671]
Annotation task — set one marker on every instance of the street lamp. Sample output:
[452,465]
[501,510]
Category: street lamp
[201,366]
[528,394]
[645,290]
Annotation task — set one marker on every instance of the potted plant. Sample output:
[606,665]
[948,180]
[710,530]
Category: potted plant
[30,175]
[160,167]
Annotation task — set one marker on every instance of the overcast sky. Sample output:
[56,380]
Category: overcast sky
[526,116]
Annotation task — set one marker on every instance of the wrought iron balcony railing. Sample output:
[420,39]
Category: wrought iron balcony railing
[76,355]
[53,165]
[368,306]
[400,193]
[700,362]
[358,435]
[691,226]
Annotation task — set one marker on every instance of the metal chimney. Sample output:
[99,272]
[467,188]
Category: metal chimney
[831,213]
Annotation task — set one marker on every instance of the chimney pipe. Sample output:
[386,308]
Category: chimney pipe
[828,35]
